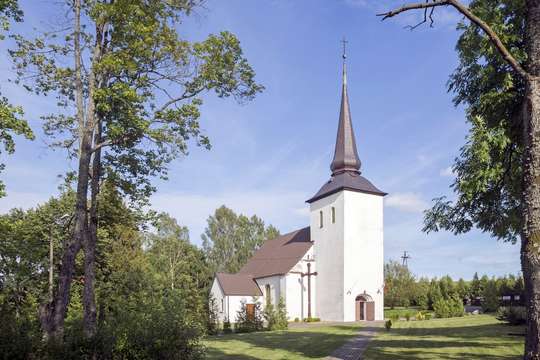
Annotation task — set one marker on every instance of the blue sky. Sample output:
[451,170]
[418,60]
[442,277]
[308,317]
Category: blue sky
[272,154]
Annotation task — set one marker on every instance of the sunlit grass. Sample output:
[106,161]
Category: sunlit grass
[310,342]
[469,337]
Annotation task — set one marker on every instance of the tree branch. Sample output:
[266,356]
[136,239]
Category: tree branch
[463,9]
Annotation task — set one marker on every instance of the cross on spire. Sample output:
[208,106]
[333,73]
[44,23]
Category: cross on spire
[344,42]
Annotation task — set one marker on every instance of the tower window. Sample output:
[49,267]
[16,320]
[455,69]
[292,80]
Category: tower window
[320,219]
[333,215]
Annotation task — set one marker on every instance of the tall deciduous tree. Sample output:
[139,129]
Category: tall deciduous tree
[229,240]
[399,284]
[11,122]
[129,90]
[499,167]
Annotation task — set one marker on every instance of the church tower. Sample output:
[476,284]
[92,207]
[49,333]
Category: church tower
[346,224]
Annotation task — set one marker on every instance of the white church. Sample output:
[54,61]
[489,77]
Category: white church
[332,269]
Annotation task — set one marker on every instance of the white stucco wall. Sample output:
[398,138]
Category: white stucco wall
[349,253]
[296,286]
[275,288]
[328,243]
[231,303]
[363,251]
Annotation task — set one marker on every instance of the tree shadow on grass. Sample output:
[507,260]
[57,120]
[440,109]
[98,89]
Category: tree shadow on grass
[303,343]
[464,342]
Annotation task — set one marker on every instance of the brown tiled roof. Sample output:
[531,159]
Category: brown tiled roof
[346,181]
[278,256]
[238,284]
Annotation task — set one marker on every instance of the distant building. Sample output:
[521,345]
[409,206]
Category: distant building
[332,269]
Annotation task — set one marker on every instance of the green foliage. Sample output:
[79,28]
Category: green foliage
[388,324]
[212,326]
[229,239]
[144,81]
[227,327]
[311,319]
[296,320]
[11,122]
[420,316]
[140,314]
[490,302]
[399,284]
[246,323]
[276,317]
[513,315]
[488,170]
[408,316]
[446,308]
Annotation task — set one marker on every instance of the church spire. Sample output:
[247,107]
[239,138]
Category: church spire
[345,154]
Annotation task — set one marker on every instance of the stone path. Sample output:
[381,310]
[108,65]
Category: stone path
[353,349]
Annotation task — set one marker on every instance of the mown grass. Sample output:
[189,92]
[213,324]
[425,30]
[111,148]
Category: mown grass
[469,337]
[308,342]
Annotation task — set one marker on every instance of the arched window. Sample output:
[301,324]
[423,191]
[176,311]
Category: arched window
[268,294]
[320,219]
[333,215]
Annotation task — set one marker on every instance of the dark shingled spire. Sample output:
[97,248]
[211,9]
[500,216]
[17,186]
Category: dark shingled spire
[346,164]
[345,154]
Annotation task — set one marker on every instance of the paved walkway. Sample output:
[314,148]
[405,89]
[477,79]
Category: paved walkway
[354,348]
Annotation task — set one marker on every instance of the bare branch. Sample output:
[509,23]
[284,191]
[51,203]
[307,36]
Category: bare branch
[463,9]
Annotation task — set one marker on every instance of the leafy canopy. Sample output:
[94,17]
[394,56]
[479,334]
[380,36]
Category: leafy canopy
[488,169]
[143,85]
[11,122]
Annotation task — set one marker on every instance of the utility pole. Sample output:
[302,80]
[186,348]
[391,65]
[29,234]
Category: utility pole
[404,258]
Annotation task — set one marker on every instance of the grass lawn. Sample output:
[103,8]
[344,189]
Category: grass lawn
[469,337]
[309,342]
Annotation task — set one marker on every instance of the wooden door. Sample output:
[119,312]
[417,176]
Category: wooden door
[360,313]
[370,310]
[250,309]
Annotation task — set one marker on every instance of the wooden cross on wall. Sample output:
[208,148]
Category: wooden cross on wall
[309,274]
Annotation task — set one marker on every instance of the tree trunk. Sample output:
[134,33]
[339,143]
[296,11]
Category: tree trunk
[530,247]
[89,300]
[53,315]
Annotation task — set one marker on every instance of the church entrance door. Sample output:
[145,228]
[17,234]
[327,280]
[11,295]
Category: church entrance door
[365,308]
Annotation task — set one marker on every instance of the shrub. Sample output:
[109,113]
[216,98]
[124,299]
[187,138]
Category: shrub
[245,323]
[312,319]
[513,315]
[394,316]
[388,324]
[427,316]
[276,318]
[420,316]
[296,319]
[212,324]
[408,316]
[227,327]
[448,308]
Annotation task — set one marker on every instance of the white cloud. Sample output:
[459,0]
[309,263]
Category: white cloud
[409,202]
[447,172]
[278,208]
